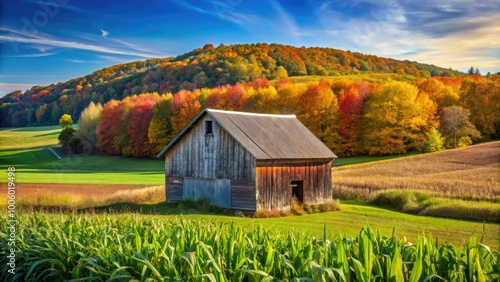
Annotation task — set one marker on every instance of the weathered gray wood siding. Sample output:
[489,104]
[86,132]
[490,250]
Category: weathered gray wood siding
[173,186]
[243,194]
[215,156]
[216,191]
[273,191]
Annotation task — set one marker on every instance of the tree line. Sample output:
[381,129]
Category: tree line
[203,67]
[351,117]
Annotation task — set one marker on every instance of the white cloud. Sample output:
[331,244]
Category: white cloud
[48,42]
[9,87]
[35,55]
[44,42]
[104,33]
[455,40]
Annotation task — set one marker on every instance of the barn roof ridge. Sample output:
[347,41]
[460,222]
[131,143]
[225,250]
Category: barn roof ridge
[251,114]
[265,136]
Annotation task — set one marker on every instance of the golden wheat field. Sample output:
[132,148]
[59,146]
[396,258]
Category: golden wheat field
[471,173]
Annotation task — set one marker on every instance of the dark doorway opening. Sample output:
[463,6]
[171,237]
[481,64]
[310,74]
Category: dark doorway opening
[298,190]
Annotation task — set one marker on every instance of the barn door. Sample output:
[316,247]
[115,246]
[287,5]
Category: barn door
[216,191]
[298,190]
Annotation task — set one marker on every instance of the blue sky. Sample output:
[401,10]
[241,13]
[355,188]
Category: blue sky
[48,41]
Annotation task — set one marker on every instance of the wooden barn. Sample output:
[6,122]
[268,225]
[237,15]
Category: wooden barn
[247,161]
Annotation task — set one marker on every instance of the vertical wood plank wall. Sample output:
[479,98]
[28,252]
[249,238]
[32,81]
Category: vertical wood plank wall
[273,183]
[215,156]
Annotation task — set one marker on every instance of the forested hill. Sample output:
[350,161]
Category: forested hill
[202,67]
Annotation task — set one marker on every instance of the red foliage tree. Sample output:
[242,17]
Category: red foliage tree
[350,108]
[235,97]
[141,115]
[109,127]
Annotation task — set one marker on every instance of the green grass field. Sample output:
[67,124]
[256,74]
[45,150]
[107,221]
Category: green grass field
[29,137]
[26,150]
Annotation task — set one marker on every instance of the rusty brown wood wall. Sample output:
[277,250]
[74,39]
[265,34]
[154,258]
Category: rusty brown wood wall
[273,183]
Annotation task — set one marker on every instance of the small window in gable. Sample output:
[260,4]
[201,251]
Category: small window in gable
[208,127]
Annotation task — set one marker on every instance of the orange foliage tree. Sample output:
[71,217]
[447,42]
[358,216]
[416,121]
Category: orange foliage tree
[319,112]
[397,119]
[185,106]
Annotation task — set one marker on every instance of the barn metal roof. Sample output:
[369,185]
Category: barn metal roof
[265,136]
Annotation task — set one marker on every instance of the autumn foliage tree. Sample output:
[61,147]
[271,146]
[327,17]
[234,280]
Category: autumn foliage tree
[350,109]
[481,96]
[397,119]
[65,121]
[160,130]
[319,112]
[109,127]
[185,106]
[141,115]
[87,127]
[455,123]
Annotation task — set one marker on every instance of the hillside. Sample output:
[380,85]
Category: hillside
[202,67]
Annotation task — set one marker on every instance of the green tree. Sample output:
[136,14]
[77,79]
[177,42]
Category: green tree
[65,121]
[470,71]
[435,142]
[69,141]
[455,123]
[55,114]
[87,127]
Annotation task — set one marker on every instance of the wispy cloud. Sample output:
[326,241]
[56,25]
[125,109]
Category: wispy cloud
[104,33]
[34,55]
[234,11]
[447,35]
[76,61]
[286,21]
[16,37]
[56,5]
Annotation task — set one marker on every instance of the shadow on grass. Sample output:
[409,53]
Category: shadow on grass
[162,208]
[47,134]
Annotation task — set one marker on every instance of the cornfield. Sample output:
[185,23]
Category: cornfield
[89,247]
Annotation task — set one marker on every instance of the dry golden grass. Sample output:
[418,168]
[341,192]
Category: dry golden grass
[470,174]
[76,196]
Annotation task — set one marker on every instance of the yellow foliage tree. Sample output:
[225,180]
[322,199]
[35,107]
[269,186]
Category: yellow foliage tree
[397,119]
[65,121]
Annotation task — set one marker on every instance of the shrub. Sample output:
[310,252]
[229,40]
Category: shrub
[435,142]
[296,207]
[426,204]
[333,205]
[269,214]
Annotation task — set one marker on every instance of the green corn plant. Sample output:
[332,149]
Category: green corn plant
[130,247]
